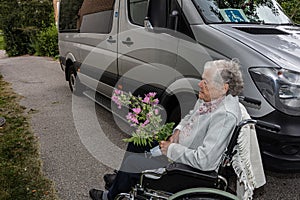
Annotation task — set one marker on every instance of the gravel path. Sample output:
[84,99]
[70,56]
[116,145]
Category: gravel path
[2,54]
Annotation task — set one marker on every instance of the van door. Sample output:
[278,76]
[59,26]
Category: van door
[98,21]
[146,56]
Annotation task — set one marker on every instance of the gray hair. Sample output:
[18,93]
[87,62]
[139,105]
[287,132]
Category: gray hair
[228,72]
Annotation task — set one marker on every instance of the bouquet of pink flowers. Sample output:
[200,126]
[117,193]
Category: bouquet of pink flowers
[144,116]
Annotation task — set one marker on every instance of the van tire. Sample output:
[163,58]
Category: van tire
[74,83]
[175,115]
[175,109]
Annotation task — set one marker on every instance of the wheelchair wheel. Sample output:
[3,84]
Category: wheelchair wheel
[203,194]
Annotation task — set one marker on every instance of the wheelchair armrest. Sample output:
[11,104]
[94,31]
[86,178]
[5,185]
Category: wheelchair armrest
[186,169]
[154,173]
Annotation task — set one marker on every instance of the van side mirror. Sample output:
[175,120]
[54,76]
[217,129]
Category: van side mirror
[173,20]
[147,24]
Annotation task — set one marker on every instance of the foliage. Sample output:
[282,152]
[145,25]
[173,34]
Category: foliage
[292,9]
[21,20]
[144,116]
[17,41]
[46,43]
[21,177]
[1,40]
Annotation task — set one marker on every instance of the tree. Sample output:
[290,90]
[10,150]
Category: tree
[292,9]
[21,20]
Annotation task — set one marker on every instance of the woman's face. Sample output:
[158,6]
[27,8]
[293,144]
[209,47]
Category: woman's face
[209,90]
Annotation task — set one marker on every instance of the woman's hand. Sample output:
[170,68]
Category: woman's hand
[164,145]
[175,137]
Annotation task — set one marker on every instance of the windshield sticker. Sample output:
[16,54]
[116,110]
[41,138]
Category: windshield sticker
[233,15]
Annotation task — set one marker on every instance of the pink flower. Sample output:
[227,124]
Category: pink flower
[155,101]
[116,100]
[156,111]
[117,92]
[131,117]
[146,122]
[151,94]
[137,110]
[146,99]
[134,120]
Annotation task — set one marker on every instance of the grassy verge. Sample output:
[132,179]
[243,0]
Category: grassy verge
[20,165]
[1,41]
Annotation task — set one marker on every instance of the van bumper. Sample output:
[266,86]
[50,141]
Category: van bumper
[280,151]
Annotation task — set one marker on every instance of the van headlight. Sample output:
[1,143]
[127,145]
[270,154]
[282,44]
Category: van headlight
[280,87]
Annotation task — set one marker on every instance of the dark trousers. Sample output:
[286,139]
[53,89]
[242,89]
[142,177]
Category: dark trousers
[134,162]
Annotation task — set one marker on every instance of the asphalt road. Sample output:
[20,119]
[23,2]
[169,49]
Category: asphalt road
[79,141]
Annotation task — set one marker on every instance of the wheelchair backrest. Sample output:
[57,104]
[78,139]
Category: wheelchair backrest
[246,121]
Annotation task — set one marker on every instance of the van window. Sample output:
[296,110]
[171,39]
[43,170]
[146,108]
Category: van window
[86,16]
[137,11]
[68,15]
[159,12]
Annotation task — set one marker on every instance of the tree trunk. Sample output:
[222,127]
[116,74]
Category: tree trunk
[55,10]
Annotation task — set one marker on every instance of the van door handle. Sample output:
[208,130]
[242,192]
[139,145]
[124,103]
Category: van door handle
[111,40]
[128,41]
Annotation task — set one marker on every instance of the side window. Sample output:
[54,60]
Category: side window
[160,15]
[95,16]
[68,14]
[137,11]
[86,16]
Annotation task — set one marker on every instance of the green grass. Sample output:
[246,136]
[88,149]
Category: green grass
[20,165]
[1,41]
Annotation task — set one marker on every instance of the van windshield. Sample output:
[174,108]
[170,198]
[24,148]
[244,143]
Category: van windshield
[242,11]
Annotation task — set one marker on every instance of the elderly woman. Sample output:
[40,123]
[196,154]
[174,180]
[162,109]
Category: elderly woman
[200,138]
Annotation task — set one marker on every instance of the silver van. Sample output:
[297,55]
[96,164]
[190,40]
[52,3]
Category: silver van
[162,45]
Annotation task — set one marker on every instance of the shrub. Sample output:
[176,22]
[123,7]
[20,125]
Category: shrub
[46,43]
[18,41]
[20,21]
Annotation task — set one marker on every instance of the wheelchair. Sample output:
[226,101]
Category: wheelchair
[180,181]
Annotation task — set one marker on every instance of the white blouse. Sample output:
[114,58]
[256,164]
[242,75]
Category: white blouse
[204,136]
